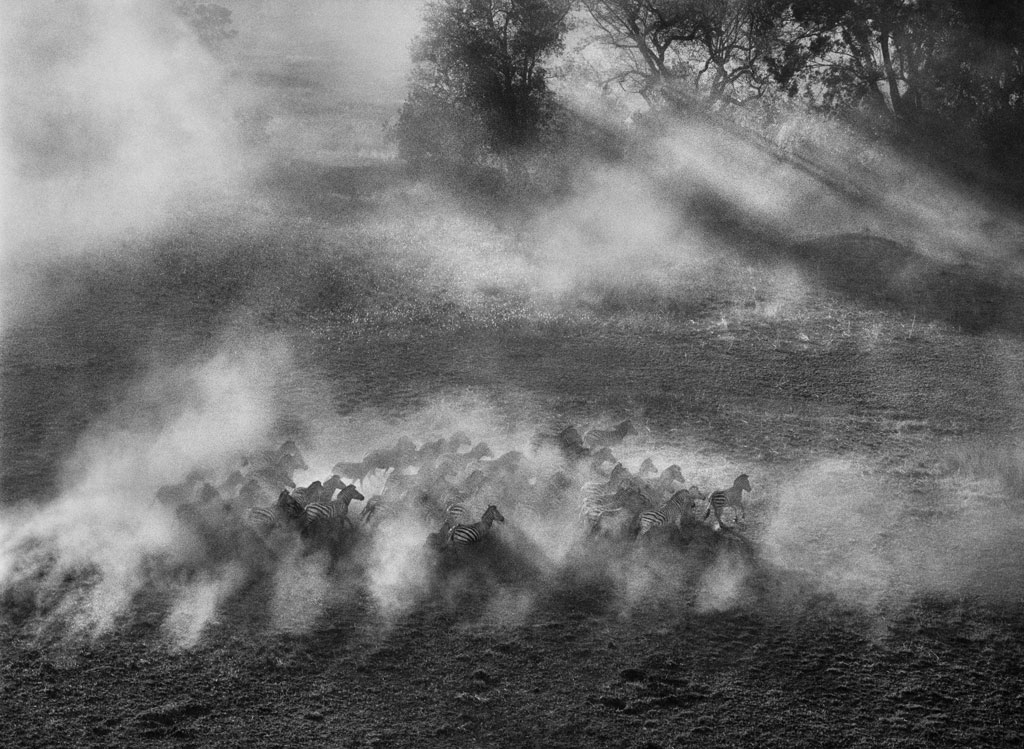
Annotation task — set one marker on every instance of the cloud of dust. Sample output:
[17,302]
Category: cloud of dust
[106,530]
[838,527]
[707,195]
[828,524]
[114,113]
[835,527]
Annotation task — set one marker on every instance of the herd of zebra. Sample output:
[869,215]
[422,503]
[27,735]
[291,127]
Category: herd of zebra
[441,482]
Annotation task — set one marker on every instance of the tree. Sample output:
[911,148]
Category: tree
[922,56]
[685,54]
[953,69]
[479,85]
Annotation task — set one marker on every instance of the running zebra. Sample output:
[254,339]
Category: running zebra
[731,497]
[609,437]
[454,514]
[336,509]
[375,512]
[286,510]
[676,508]
[647,470]
[464,535]
[611,514]
[319,492]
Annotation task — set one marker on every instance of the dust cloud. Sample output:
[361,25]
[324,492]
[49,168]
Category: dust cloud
[113,114]
[138,134]
[81,565]
[107,527]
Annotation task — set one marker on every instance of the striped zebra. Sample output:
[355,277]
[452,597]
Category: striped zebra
[334,510]
[731,497]
[676,508]
[609,437]
[612,514]
[668,479]
[464,535]
[286,510]
[647,470]
[375,512]
[454,514]
[319,492]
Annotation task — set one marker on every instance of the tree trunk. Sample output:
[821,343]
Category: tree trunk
[896,101]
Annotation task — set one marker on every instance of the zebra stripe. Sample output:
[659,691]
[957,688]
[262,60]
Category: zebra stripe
[455,513]
[335,509]
[674,509]
[464,535]
[731,497]
[266,519]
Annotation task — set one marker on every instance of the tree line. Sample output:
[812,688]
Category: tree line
[947,70]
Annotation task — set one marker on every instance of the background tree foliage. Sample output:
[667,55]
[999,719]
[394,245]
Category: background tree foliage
[480,86]
[951,71]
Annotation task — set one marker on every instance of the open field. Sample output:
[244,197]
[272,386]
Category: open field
[853,341]
[874,596]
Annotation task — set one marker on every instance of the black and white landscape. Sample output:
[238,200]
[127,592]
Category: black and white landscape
[390,373]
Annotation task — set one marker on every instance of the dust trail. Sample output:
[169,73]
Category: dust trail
[197,605]
[106,528]
[872,543]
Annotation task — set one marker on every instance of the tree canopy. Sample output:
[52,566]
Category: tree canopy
[480,85]
[949,69]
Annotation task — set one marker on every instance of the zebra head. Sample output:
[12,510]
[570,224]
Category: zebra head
[492,513]
[673,473]
[292,507]
[742,481]
[348,493]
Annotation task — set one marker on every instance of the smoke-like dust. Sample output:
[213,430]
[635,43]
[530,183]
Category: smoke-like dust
[135,125]
[113,112]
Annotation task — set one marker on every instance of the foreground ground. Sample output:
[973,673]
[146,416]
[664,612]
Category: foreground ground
[574,670]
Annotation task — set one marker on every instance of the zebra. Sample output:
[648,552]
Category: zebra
[597,508]
[675,509]
[670,476]
[176,494]
[454,514]
[455,462]
[599,458]
[464,535]
[400,455]
[287,509]
[375,511]
[595,517]
[320,492]
[335,509]
[731,497]
[609,437]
